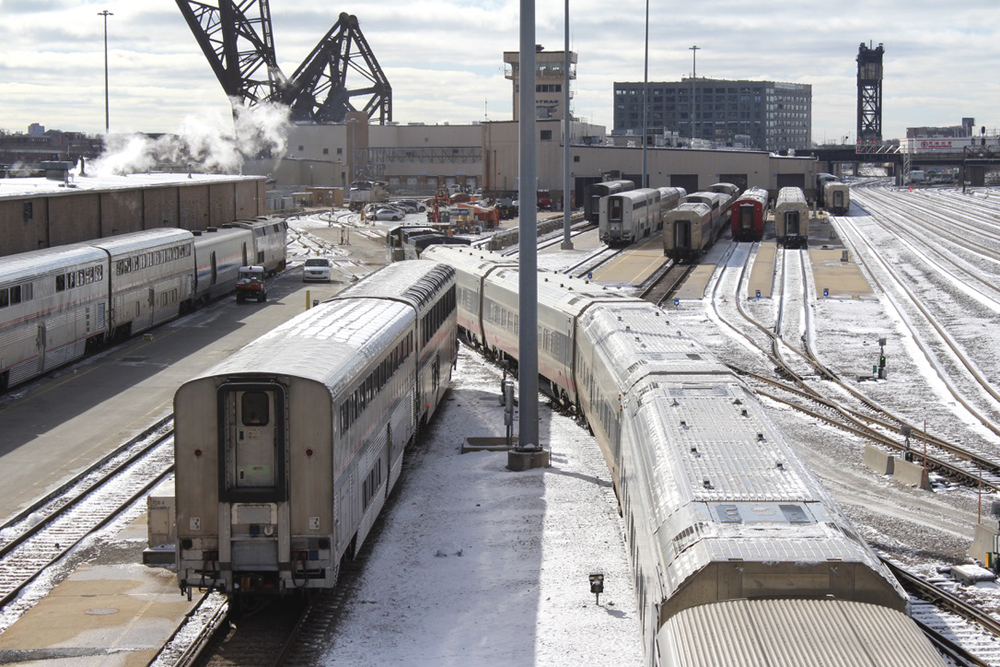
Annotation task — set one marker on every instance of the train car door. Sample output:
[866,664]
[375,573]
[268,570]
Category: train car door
[746,219]
[252,443]
[838,200]
[682,235]
[615,215]
[40,346]
[791,224]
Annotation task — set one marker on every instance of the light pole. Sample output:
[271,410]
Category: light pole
[694,75]
[645,100]
[107,108]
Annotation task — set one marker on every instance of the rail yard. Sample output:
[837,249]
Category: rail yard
[877,335]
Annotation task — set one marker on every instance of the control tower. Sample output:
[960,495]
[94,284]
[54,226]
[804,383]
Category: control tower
[548,81]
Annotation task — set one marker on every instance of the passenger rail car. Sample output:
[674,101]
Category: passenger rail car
[596,191]
[219,254]
[57,304]
[822,179]
[791,218]
[286,451]
[630,216]
[747,215]
[270,238]
[691,228]
[734,545]
[731,191]
[836,197]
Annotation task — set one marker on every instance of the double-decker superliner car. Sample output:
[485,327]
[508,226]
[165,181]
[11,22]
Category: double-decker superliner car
[739,556]
[791,218]
[627,217]
[594,192]
[747,215]
[56,304]
[287,450]
[53,306]
[730,190]
[151,277]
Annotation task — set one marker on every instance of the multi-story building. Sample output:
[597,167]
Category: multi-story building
[775,116]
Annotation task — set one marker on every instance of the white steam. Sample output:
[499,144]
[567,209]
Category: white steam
[210,143]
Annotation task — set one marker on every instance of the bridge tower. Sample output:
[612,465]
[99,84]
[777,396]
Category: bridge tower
[869,136]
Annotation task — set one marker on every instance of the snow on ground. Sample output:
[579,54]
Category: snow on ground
[477,565]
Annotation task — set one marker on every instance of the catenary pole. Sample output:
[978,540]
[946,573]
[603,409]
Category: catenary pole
[567,243]
[527,229]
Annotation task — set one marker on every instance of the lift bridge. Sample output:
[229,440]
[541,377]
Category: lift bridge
[340,75]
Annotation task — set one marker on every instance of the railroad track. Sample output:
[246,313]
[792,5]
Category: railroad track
[36,539]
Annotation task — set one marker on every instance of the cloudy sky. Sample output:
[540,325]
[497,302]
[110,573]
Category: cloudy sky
[444,58]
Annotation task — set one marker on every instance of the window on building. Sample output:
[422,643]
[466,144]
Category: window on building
[546,135]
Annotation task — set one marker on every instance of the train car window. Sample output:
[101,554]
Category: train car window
[70,280]
[28,291]
[15,294]
[4,298]
[60,283]
[81,277]
[99,272]
[255,408]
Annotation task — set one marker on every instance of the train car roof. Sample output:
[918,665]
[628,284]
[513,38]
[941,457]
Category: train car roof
[25,265]
[414,281]
[472,261]
[329,344]
[791,196]
[705,197]
[688,207]
[753,194]
[746,632]
[564,293]
[141,240]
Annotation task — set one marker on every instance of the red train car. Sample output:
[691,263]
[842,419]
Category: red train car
[747,215]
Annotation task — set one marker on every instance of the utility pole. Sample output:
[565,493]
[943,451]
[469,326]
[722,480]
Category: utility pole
[107,107]
[645,102]
[694,75]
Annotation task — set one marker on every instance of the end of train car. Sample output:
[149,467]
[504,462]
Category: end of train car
[747,215]
[286,452]
[791,218]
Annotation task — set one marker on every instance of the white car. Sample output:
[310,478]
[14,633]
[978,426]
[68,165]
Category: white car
[388,214]
[317,268]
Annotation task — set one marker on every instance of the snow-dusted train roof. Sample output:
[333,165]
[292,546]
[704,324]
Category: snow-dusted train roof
[328,344]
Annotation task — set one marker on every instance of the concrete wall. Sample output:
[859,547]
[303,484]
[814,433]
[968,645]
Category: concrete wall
[121,212]
[23,225]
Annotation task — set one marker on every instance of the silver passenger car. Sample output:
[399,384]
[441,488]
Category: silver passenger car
[791,218]
[286,451]
[219,253]
[53,303]
[735,546]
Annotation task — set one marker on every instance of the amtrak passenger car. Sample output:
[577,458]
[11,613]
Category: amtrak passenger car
[627,217]
[56,304]
[287,450]
[791,218]
[735,547]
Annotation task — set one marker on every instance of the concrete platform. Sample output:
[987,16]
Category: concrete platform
[762,271]
[840,279]
[635,265]
[113,611]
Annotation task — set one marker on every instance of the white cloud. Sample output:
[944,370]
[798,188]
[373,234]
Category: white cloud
[444,58]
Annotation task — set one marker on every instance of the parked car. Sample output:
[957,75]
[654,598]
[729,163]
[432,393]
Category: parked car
[388,214]
[317,268]
[416,206]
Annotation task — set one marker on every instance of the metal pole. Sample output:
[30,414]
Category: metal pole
[645,100]
[567,244]
[527,229]
[694,75]
[107,107]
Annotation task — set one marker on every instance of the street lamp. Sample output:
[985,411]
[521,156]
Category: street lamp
[107,111]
